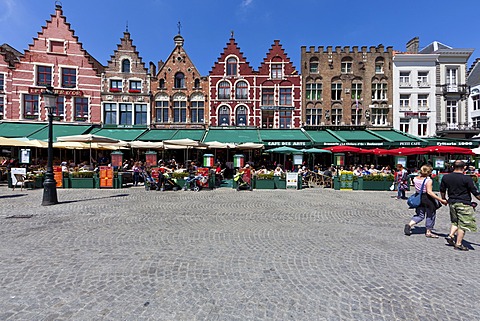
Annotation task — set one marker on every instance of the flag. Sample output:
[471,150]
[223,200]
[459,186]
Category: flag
[356,102]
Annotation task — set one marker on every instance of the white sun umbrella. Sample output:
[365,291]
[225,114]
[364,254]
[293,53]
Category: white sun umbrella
[185,142]
[476,150]
[219,145]
[87,138]
[13,142]
[70,145]
[250,146]
[146,145]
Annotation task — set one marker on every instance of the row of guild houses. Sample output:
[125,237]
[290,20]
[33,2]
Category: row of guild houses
[419,92]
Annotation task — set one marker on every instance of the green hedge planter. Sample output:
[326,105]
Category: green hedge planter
[279,183]
[82,183]
[66,182]
[265,184]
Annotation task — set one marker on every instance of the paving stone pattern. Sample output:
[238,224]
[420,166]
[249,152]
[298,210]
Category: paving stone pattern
[314,254]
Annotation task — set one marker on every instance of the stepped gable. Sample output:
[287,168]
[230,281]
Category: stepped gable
[126,45]
[277,54]
[173,58]
[10,55]
[58,28]
[232,49]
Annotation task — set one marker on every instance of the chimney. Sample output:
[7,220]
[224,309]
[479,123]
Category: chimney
[412,45]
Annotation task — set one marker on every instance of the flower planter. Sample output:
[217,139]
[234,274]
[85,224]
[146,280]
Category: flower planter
[279,183]
[265,184]
[376,185]
[82,183]
[38,182]
[66,182]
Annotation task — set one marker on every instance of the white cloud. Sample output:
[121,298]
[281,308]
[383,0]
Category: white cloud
[246,3]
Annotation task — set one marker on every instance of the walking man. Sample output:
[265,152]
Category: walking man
[459,188]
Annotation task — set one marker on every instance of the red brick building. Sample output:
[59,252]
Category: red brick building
[179,91]
[8,57]
[126,87]
[267,98]
[56,58]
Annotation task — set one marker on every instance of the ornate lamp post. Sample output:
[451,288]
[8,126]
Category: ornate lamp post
[49,185]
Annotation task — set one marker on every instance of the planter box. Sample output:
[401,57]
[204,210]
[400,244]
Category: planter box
[265,184]
[66,182]
[376,185]
[82,183]
[279,183]
[180,182]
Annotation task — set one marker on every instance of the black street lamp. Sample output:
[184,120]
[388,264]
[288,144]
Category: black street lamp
[49,185]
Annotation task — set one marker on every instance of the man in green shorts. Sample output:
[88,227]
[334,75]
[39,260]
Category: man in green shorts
[460,188]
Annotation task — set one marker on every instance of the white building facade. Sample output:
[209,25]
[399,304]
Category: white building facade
[473,81]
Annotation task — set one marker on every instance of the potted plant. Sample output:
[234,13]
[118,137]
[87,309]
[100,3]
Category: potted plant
[82,179]
[180,177]
[264,181]
[374,183]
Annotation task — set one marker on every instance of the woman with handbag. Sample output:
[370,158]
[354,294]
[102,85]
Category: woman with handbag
[428,207]
[401,179]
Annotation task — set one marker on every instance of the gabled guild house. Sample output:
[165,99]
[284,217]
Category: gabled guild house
[8,57]
[56,58]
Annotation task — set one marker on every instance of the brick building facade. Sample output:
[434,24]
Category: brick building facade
[8,57]
[56,58]
[180,93]
[241,96]
[126,88]
[345,87]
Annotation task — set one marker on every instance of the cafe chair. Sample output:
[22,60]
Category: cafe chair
[21,179]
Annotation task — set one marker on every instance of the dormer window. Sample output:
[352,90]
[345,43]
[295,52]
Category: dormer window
[231,67]
[179,80]
[276,71]
[125,65]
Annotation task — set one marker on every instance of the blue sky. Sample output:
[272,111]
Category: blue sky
[206,25]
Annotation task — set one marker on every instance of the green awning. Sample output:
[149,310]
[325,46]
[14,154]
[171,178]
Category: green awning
[12,130]
[356,136]
[60,130]
[157,135]
[324,138]
[237,136]
[126,134]
[397,138]
[436,141]
[284,137]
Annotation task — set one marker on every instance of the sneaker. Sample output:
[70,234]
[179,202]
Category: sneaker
[461,247]
[407,230]
[450,240]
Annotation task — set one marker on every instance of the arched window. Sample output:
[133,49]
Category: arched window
[231,67]
[224,90]
[241,116]
[179,108]
[161,84]
[241,90]
[197,83]
[313,65]
[379,62]
[125,65]
[179,80]
[357,112]
[224,116]
[197,108]
[347,64]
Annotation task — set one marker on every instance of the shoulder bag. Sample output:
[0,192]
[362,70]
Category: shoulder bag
[415,200]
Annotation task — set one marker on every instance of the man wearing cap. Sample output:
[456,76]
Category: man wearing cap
[459,188]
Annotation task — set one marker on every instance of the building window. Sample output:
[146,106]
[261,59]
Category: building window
[59,111]
[125,114]
[314,116]
[405,125]
[231,67]
[268,97]
[69,78]
[267,118]
[196,83]
[356,91]
[276,71]
[116,85]
[241,116]
[357,113]
[314,91]
[135,86]
[451,79]
[81,108]
[140,114]
[379,91]
[161,84]
[286,96]
[44,76]
[110,113]
[179,80]
[224,90]
[336,91]
[379,115]
[379,66]
[422,79]
[2,104]
[452,112]
[197,112]
[476,122]
[422,101]
[125,65]
[57,46]
[2,82]
[224,116]
[179,111]
[241,90]
[404,101]
[476,102]
[161,111]
[337,114]
[422,127]
[30,106]
[405,79]
[285,118]
[346,67]
[313,65]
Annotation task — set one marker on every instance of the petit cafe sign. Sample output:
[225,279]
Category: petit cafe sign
[60,92]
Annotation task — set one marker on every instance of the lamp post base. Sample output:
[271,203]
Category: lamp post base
[49,192]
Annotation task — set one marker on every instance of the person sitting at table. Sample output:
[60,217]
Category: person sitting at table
[278,171]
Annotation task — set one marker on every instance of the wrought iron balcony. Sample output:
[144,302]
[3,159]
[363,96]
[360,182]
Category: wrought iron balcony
[456,90]
[461,128]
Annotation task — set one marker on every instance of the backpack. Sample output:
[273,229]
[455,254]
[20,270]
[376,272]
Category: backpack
[415,200]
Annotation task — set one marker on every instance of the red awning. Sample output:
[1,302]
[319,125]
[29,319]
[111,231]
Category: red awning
[375,151]
[343,149]
[406,151]
[448,150]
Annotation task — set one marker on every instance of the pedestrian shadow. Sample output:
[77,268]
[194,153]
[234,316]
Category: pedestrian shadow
[466,243]
[92,199]
[13,195]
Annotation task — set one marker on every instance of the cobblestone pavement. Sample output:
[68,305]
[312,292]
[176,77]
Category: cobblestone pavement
[314,254]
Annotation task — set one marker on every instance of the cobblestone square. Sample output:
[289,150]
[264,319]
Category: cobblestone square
[315,254]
